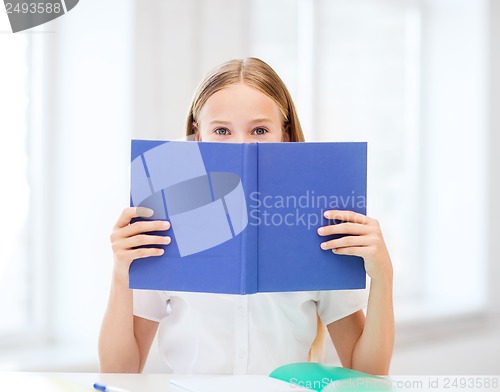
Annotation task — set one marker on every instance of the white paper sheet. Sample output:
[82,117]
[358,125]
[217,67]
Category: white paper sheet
[246,383]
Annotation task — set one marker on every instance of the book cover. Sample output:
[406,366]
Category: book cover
[245,216]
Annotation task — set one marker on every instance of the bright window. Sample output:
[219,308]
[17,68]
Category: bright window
[15,270]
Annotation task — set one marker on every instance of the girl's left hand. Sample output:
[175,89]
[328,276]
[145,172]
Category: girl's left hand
[362,237]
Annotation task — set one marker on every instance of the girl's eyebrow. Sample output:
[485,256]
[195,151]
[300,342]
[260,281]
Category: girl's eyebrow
[220,122]
[261,120]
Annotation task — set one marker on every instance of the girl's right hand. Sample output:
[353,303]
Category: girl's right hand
[126,237]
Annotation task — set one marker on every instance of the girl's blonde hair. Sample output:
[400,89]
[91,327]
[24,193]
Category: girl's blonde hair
[259,75]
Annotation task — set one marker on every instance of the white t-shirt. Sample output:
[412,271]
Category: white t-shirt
[202,333]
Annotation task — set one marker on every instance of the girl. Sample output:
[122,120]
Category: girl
[245,101]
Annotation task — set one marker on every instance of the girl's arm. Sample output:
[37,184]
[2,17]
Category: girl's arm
[364,344]
[125,339]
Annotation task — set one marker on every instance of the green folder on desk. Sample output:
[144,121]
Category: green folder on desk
[319,377]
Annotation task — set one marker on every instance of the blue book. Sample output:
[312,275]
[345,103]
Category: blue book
[245,216]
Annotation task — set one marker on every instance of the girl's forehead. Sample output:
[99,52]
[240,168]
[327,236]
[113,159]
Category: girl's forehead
[238,99]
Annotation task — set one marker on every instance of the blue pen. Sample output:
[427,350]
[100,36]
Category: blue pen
[108,388]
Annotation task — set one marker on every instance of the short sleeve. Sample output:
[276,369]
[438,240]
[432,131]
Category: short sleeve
[149,304]
[336,304]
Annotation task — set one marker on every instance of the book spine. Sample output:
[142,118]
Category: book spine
[249,261]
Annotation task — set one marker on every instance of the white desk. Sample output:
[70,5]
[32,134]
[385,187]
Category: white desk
[83,382]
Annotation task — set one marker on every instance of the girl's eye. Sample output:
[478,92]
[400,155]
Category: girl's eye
[222,131]
[260,131]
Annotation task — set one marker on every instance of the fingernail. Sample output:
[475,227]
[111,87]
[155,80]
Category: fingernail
[321,230]
[144,212]
[168,239]
[166,224]
[323,245]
